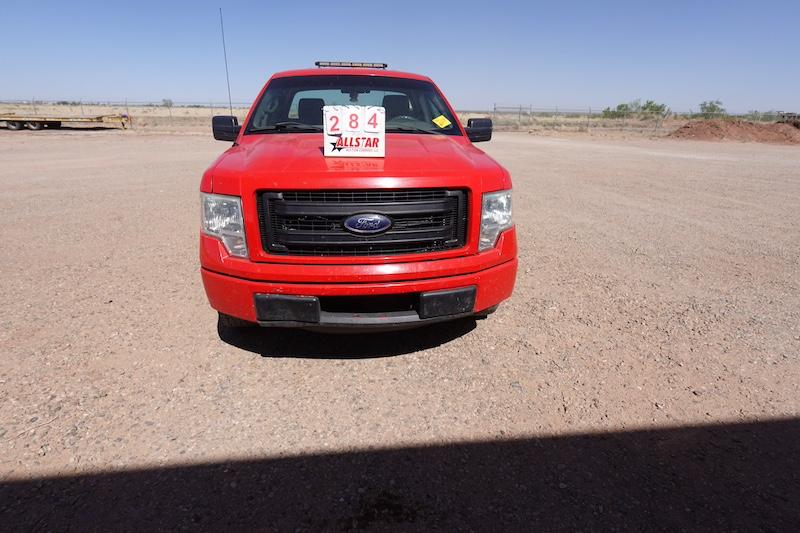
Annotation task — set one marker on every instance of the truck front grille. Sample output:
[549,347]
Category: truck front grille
[312,222]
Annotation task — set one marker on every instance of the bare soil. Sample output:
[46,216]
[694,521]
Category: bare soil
[737,130]
[659,291]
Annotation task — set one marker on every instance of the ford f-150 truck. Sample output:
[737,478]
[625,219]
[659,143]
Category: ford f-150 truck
[291,237]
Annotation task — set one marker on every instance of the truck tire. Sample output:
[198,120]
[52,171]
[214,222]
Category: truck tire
[15,126]
[35,126]
[229,321]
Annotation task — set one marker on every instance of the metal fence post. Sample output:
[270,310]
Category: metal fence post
[519,119]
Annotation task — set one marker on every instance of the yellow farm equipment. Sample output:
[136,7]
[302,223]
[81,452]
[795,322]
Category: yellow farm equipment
[33,122]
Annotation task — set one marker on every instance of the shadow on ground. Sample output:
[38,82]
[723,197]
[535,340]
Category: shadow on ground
[275,342]
[719,478]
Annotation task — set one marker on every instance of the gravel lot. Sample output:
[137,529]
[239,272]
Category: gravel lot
[659,290]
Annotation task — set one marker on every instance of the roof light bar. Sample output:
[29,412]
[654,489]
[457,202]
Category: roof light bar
[350,64]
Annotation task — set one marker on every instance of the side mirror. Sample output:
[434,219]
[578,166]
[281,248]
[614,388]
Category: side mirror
[479,129]
[225,127]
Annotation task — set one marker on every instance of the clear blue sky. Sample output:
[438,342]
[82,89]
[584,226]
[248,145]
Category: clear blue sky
[558,53]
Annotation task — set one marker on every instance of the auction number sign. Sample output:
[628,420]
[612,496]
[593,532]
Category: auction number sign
[354,131]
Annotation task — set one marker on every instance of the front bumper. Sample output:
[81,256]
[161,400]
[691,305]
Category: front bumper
[253,291]
[280,310]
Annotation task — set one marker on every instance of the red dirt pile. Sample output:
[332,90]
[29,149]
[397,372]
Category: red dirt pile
[737,130]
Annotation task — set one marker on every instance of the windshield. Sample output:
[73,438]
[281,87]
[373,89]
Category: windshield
[294,104]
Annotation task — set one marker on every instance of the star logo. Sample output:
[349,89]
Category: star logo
[336,148]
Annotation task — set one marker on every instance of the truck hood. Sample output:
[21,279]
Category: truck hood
[296,160]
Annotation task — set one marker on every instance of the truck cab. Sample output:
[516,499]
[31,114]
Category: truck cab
[291,237]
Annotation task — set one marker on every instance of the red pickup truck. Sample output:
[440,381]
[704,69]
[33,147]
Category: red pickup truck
[291,238]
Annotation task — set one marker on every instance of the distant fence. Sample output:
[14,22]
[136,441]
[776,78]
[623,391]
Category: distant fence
[505,117]
[166,103]
[165,114]
[530,118]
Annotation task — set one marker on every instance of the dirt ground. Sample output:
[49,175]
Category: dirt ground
[738,130]
[645,374]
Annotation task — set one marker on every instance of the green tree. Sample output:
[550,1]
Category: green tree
[650,107]
[622,110]
[635,107]
[712,109]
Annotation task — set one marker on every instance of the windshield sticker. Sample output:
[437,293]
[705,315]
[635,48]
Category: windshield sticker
[441,121]
[354,131]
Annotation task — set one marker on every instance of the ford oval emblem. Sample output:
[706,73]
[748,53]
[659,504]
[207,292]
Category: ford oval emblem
[367,223]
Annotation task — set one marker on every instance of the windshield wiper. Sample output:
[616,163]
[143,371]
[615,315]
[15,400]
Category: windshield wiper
[287,126]
[299,126]
[412,129]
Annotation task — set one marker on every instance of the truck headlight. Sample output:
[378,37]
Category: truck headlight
[222,218]
[495,218]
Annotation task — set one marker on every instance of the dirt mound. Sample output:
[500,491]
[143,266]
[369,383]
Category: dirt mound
[737,130]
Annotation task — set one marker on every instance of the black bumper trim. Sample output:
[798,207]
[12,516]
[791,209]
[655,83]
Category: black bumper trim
[283,308]
[278,310]
[446,302]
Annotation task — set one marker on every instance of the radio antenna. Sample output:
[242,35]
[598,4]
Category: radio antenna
[225,54]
